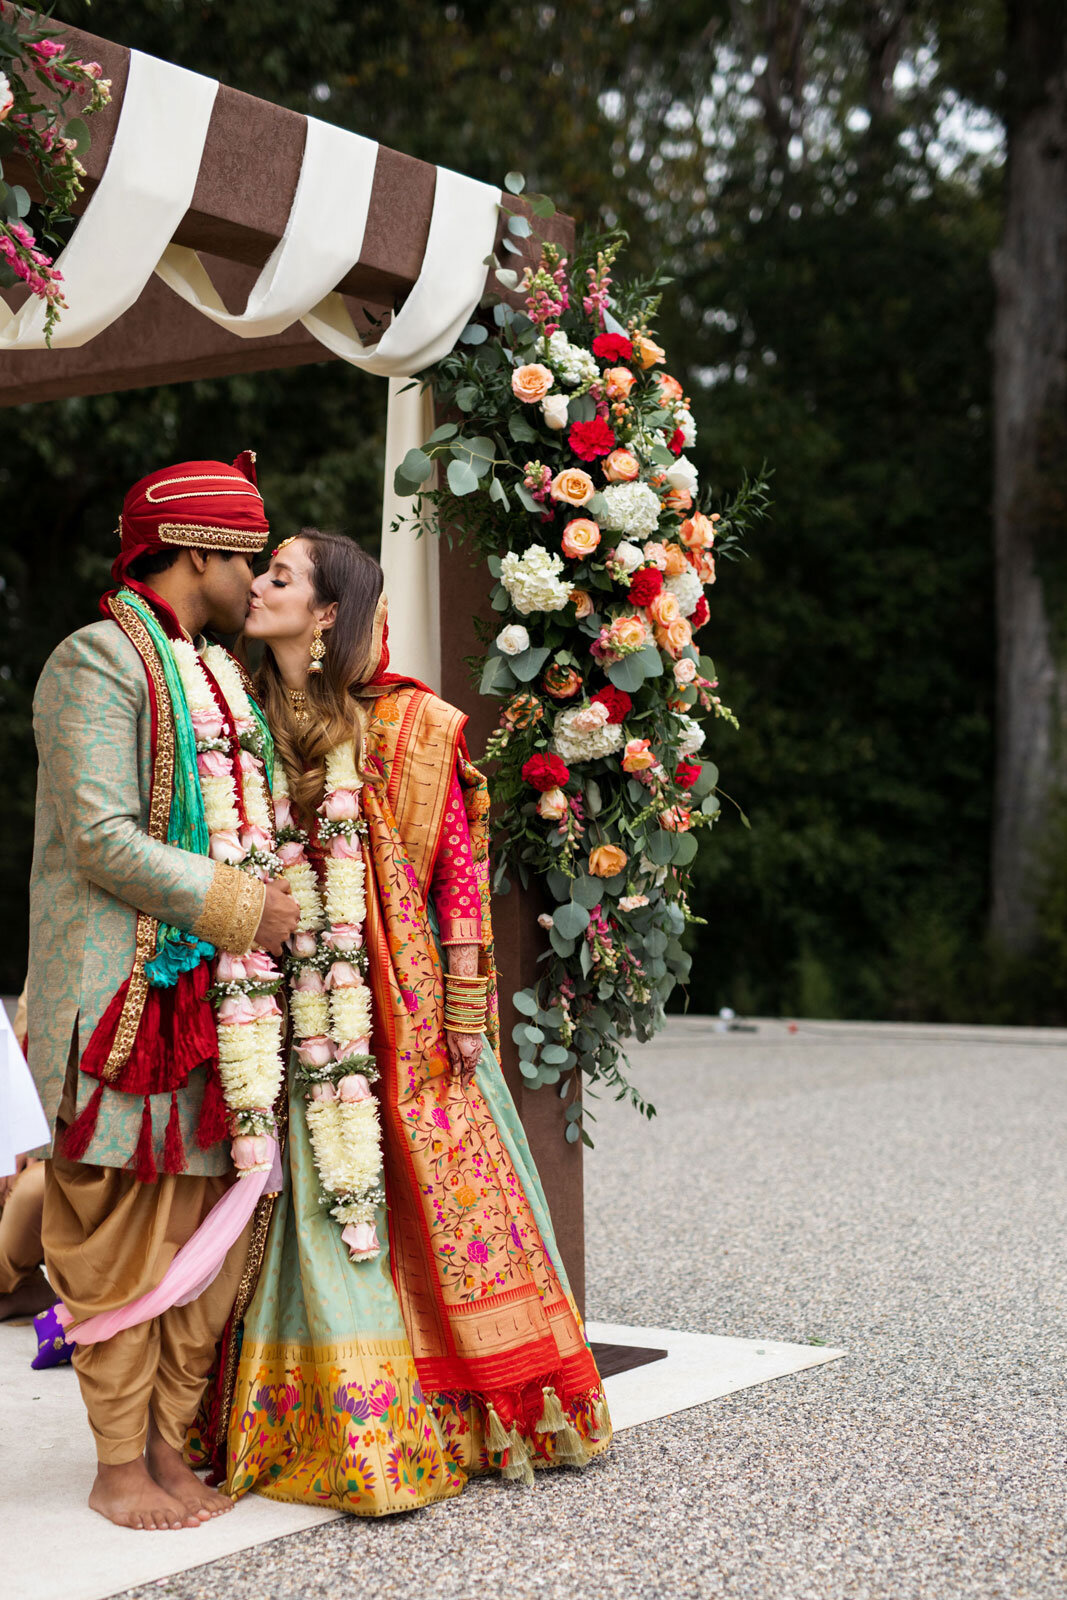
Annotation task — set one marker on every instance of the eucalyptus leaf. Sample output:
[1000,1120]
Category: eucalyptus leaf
[499,494]
[581,408]
[520,429]
[529,1069]
[496,677]
[507,276]
[572,1133]
[525,1000]
[462,478]
[542,206]
[661,847]
[447,430]
[587,891]
[519,226]
[527,499]
[571,920]
[532,1033]
[466,397]
[628,674]
[514,182]
[563,947]
[495,565]
[593,800]
[554,1055]
[529,662]
[416,466]
[559,884]
[685,849]
[474,333]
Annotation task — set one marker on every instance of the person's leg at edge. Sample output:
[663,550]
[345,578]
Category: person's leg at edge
[24,1289]
[188,1336]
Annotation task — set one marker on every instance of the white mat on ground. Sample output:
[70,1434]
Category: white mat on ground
[55,1548]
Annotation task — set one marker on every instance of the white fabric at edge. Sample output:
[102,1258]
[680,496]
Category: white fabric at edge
[23,1124]
[448,288]
[322,241]
[410,564]
[146,189]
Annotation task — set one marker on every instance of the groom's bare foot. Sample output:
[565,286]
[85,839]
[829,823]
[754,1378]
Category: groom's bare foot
[36,1294]
[171,1473]
[131,1498]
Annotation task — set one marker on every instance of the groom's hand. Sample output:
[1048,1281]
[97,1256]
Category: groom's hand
[280,916]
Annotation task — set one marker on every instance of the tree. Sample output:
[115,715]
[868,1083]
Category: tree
[1030,345]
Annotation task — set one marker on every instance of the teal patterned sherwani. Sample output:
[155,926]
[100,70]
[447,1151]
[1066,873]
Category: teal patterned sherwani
[95,866]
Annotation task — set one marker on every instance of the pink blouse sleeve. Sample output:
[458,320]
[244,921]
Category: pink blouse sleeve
[453,887]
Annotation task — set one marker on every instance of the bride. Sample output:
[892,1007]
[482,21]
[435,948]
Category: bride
[411,1322]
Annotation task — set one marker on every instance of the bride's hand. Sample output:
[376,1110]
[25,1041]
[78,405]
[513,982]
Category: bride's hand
[463,1052]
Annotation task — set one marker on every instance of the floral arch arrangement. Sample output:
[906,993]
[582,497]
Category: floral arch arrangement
[569,473]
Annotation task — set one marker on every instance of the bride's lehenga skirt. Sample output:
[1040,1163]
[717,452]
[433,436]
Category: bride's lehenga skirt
[328,1409]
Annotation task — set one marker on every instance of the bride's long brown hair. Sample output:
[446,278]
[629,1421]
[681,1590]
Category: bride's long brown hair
[341,573]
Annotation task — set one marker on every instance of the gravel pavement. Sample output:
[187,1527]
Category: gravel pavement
[897,1192]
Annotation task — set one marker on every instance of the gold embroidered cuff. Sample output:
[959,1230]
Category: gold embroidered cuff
[461,930]
[232,910]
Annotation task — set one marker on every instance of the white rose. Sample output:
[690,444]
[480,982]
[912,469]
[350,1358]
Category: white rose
[683,419]
[628,556]
[554,411]
[685,670]
[7,97]
[513,640]
[683,475]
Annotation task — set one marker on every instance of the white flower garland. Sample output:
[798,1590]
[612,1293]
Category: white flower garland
[330,1001]
[248,1016]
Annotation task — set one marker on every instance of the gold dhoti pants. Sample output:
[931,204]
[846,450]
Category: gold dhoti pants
[107,1240]
[20,1229]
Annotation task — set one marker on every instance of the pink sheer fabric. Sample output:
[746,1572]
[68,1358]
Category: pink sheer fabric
[453,888]
[195,1265]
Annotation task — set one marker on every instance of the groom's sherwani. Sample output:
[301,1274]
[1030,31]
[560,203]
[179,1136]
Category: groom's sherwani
[104,883]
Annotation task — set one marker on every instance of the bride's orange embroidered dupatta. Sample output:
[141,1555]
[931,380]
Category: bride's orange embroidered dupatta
[483,1304]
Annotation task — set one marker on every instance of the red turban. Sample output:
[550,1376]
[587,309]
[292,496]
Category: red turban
[201,505]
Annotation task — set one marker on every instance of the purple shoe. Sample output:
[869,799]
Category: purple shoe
[52,1347]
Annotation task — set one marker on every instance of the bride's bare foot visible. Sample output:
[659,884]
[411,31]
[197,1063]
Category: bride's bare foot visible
[171,1473]
[36,1294]
[130,1497]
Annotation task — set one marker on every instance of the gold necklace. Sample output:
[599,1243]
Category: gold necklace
[298,700]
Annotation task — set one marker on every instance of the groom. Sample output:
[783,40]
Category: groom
[131,1182]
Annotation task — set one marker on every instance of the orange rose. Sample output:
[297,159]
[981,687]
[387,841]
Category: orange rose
[573,486]
[678,819]
[705,566]
[607,860]
[621,466]
[676,562]
[531,383]
[638,756]
[629,633]
[669,388]
[675,637]
[580,538]
[562,682]
[697,532]
[618,382]
[678,500]
[582,601]
[664,609]
[647,352]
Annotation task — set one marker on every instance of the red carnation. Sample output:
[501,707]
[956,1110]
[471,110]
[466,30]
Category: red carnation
[686,774]
[591,439]
[617,701]
[545,772]
[645,585]
[701,614]
[676,442]
[613,347]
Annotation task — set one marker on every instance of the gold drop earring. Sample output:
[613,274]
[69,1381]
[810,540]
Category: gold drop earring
[318,650]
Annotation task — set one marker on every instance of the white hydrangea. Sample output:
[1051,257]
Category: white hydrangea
[572,746]
[687,589]
[533,580]
[692,735]
[571,364]
[684,419]
[629,508]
